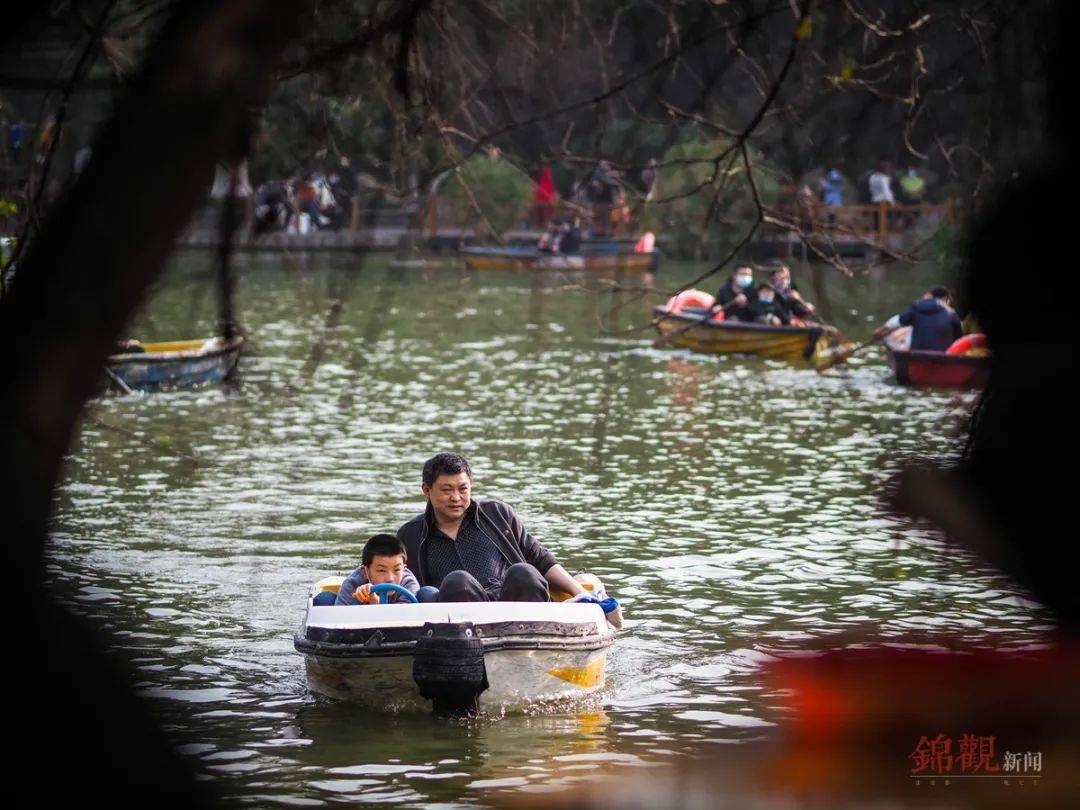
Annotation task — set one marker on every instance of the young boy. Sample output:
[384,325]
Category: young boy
[768,310]
[383,560]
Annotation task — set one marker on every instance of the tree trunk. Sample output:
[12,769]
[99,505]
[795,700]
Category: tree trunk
[79,283]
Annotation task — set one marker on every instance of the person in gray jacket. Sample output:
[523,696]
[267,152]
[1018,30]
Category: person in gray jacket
[476,551]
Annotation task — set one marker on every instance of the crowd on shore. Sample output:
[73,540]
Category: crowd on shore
[606,187]
[834,188]
[300,203]
[606,197]
[604,191]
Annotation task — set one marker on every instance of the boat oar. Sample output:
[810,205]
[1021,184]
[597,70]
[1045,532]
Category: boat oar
[119,383]
[663,340]
[811,318]
[842,353]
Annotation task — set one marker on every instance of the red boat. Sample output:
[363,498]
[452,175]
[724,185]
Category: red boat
[935,369]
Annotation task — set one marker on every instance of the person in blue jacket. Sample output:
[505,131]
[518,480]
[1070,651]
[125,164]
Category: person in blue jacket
[382,560]
[832,188]
[934,324]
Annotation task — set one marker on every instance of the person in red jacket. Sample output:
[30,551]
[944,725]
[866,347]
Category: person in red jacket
[543,199]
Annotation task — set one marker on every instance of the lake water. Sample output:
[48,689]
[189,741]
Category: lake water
[732,504]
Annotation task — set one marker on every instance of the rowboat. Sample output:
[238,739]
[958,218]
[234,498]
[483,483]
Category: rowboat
[599,257]
[624,244]
[934,369]
[175,364]
[454,657]
[791,343]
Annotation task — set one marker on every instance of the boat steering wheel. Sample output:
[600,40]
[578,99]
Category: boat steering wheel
[384,589]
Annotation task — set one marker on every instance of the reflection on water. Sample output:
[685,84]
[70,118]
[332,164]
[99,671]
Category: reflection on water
[730,503]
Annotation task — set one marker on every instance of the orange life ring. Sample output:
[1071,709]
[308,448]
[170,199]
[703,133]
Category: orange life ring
[689,298]
[693,299]
[969,343]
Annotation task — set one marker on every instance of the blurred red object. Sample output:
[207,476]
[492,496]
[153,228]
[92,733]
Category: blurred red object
[864,723]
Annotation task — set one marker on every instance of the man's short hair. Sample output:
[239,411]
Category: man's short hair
[382,545]
[445,464]
[940,292]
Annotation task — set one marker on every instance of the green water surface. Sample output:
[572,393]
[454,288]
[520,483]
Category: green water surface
[732,504]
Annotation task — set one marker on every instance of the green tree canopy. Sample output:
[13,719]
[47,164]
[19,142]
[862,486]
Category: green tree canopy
[486,188]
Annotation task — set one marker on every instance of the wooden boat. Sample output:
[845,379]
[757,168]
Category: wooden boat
[792,343]
[934,369]
[624,244]
[598,257]
[176,364]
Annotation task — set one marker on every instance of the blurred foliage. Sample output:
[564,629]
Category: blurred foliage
[500,190]
[699,203]
[946,248]
[478,72]
[546,83]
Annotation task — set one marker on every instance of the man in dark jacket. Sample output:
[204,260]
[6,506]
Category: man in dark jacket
[476,551]
[737,296]
[788,294]
[934,324]
[570,239]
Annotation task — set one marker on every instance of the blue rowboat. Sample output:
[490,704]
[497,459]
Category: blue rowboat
[176,364]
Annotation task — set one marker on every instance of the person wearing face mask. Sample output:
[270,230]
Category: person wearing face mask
[769,309]
[737,296]
[788,294]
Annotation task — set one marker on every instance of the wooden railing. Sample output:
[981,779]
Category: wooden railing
[874,222]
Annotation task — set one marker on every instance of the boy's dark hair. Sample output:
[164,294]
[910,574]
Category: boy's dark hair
[940,292]
[764,286]
[383,545]
[445,464]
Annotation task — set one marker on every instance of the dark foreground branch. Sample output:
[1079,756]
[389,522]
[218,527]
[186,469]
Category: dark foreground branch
[78,284]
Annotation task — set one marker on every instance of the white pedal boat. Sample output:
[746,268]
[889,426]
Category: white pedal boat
[454,657]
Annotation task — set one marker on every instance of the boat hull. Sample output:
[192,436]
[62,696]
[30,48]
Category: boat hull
[180,364]
[530,259]
[532,652]
[791,343]
[516,678]
[938,369]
